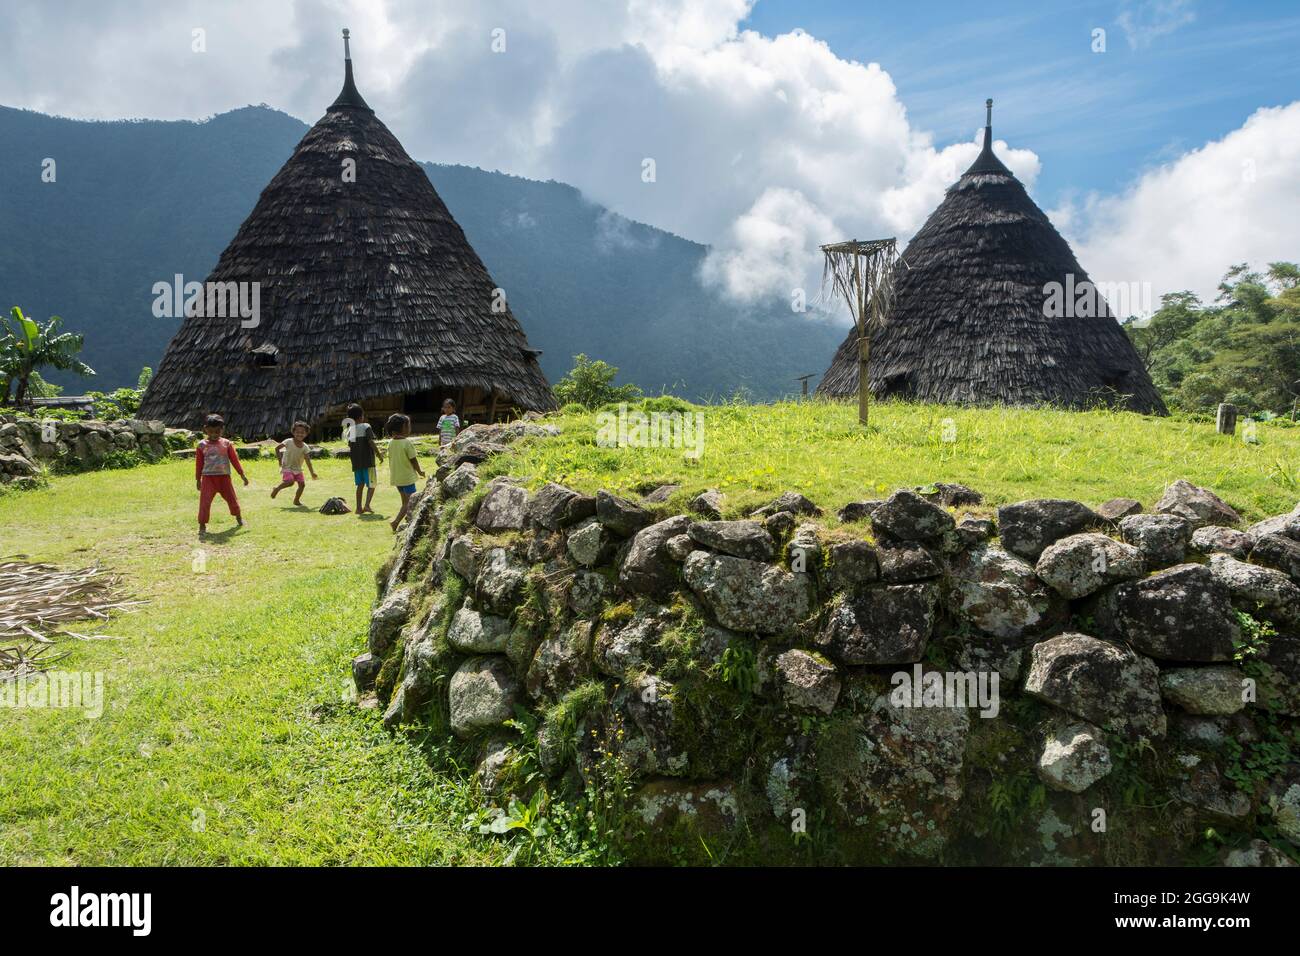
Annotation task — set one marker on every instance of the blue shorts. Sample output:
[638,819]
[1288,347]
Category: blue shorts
[364,477]
[406,489]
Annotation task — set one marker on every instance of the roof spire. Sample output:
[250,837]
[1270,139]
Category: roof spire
[987,162]
[348,98]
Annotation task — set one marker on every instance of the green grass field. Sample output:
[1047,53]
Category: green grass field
[227,737]
[753,453]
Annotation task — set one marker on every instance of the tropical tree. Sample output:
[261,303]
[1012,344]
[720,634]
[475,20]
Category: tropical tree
[591,383]
[27,347]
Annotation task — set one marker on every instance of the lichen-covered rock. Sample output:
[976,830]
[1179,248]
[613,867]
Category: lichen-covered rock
[792,502]
[807,681]
[387,620]
[951,495]
[850,564]
[1103,683]
[1256,853]
[903,562]
[482,694]
[1215,538]
[972,532]
[464,557]
[648,568]
[489,774]
[780,524]
[804,550]
[858,510]
[704,808]
[883,625]
[562,662]
[1279,676]
[500,580]
[365,668]
[1117,508]
[586,543]
[477,633]
[1198,505]
[461,481]
[1204,690]
[619,515]
[1284,801]
[708,503]
[503,508]
[902,774]
[906,516]
[1272,589]
[680,545]
[652,741]
[1000,594]
[1204,788]
[1084,563]
[1162,538]
[1287,525]
[741,539]
[1279,552]
[748,595]
[1028,527]
[587,593]
[1181,614]
[632,645]
[554,506]
[1074,757]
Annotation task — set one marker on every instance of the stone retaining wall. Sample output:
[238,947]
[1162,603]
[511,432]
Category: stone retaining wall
[925,679]
[27,445]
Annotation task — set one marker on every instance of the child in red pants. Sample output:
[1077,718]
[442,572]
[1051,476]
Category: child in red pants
[213,460]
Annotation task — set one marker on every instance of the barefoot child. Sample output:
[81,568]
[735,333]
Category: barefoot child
[448,424]
[213,460]
[362,450]
[293,453]
[403,464]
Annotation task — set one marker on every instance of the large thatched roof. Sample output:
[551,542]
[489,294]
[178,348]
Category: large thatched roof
[969,325]
[368,288]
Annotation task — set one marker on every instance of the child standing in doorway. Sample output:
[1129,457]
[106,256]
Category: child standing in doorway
[213,459]
[294,452]
[448,424]
[362,450]
[403,462]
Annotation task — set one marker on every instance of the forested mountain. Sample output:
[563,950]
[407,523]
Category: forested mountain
[137,202]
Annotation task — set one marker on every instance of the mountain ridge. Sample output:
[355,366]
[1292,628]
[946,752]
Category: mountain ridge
[137,201]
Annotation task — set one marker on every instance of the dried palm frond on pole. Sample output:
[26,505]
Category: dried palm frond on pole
[863,273]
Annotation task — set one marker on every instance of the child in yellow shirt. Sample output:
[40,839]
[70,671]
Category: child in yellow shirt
[403,463]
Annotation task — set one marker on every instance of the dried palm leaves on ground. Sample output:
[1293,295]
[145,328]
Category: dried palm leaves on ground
[37,601]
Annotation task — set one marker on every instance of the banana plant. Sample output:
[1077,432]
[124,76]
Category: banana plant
[28,347]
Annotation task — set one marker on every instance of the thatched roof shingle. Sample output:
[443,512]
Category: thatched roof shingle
[968,324]
[367,289]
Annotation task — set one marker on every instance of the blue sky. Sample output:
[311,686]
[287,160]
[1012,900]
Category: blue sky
[1182,74]
[1164,160]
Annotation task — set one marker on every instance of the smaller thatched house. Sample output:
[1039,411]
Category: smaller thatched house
[974,322]
[365,288]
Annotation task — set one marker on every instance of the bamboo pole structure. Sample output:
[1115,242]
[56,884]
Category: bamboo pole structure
[863,274]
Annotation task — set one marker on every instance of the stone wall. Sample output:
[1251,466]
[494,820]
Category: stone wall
[28,445]
[921,679]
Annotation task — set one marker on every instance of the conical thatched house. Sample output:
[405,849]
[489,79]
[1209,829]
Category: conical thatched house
[975,318]
[366,290]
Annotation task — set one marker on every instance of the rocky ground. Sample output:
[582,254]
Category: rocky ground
[925,678]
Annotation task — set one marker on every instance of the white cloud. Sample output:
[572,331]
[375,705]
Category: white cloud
[1181,225]
[765,147]
[1143,22]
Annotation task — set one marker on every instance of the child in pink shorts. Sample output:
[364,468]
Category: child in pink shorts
[293,454]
